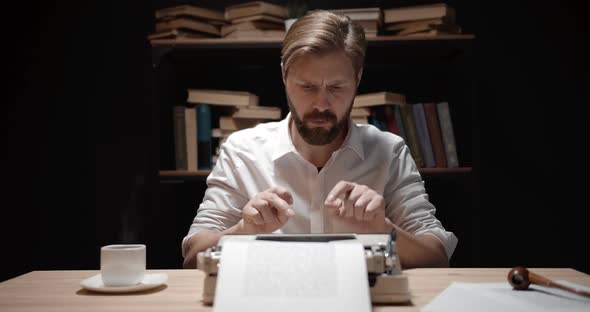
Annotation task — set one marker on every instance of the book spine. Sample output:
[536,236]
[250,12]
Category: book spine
[448,136]
[438,147]
[423,135]
[204,136]
[190,129]
[412,133]
[382,117]
[399,121]
[391,122]
[374,120]
[180,138]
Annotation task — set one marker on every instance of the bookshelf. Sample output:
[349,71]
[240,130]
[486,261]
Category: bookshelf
[413,50]
[424,68]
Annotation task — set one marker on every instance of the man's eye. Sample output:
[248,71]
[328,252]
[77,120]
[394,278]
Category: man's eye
[307,87]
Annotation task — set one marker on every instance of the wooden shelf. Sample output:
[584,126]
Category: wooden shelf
[445,170]
[184,173]
[279,40]
[202,174]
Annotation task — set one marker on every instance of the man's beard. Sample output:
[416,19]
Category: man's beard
[319,135]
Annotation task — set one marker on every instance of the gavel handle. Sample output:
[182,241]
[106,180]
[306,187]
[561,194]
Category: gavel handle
[540,280]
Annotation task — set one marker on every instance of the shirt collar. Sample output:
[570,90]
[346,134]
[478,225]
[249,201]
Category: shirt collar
[285,143]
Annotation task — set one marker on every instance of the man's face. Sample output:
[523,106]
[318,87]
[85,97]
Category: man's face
[320,92]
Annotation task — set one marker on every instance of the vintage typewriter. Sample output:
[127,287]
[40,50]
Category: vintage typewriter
[388,284]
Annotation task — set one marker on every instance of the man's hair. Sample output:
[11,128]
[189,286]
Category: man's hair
[320,32]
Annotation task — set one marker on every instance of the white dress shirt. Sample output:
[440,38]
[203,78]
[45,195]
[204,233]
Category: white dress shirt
[254,160]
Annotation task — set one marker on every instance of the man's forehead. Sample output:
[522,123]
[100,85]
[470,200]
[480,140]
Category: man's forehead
[330,68]
[314,79]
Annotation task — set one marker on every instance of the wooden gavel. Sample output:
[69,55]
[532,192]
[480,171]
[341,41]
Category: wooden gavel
[520,278]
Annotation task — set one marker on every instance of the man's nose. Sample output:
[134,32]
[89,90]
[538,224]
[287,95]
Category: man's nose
[322,101]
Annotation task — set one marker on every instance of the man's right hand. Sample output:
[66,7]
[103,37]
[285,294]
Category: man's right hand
[267,212]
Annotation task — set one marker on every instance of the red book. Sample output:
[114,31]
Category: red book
[438,147]
[391,122]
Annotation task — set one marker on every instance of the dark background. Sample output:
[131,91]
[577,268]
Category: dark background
[80,137]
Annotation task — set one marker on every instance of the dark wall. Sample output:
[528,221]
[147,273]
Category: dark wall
[532,71]
[77,121]
[78,137]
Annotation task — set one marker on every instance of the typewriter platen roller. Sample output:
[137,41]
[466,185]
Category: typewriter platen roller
[388,284]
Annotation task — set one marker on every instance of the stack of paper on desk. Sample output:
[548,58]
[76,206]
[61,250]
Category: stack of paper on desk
[292,276]
[485,297]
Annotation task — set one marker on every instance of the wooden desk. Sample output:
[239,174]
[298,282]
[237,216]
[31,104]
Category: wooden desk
[60,290]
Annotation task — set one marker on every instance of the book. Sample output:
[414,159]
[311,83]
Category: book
[257,33]
[233,12]
[361,14]
[378,98]
[419,12]
[371,34]
[423,135]
[432,123]
[177,33]
[360,112]
[258,18]
[360,120]
[222,97]
[221,133]
[252,25]
[399,121]
[413,141]
[257,112]
[188,24]
[428,33]
[376,121]
[185,138]
[413,24]
[391,121]
[448,136]
[439,29]
[190,11]
[229,123]
[204,136]
[369,26]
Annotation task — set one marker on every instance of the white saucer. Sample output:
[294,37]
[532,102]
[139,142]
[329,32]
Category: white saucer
[150,281]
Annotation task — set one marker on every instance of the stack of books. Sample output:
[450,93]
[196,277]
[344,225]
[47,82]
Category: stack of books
[187,21]
[426,128]
[371,19]
[255,19]
[258,19]
[421,20]
[197,143]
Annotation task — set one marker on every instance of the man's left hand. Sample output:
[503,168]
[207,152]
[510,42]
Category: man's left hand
[357,208]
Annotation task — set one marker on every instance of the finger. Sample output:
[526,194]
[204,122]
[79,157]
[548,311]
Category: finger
[278,203]
[360,206]
[354,195]
[283,193]
[333,208]
[252,215]
[375,207]
[347,209]
[281,218]
[264,208]
[340,190]
[357,192]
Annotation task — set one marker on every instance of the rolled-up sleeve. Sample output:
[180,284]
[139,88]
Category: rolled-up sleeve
[222,204]
[407,201]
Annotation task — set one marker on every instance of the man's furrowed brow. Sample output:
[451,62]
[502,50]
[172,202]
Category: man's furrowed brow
[331,82]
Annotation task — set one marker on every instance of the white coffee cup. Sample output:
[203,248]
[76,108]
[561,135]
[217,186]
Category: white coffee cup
[122,265]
